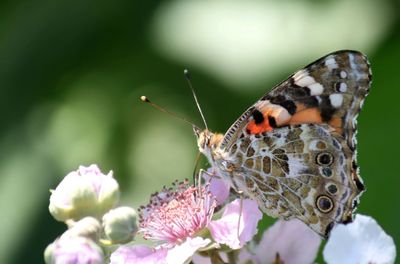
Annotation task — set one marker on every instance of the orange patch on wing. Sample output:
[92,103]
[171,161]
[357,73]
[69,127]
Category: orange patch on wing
[300,107]
[336,123]
[306,116]
[254,128]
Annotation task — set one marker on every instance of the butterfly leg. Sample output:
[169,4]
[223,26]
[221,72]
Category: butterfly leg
[240,193]
[196,176]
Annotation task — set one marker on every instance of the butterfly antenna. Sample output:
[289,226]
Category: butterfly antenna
[187,77]
[146,100]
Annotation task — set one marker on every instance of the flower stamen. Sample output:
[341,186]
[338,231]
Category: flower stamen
[177,213]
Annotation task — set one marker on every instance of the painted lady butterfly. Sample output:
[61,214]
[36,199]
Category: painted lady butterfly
[294,150]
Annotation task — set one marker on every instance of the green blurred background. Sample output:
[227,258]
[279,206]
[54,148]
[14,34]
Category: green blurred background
[71,73]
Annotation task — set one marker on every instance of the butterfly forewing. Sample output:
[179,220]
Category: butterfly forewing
[330,90]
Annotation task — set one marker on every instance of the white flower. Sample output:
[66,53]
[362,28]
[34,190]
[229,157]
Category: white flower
[362,241]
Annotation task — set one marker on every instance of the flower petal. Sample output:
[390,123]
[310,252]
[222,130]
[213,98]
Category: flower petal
[139,254]
[293,240]
[362,241]
[183,252]
[226,230]
[218,186]
[198,259]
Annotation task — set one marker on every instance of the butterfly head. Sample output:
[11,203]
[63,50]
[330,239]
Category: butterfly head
[207,141]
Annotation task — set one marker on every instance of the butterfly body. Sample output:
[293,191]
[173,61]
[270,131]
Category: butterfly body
[293,151]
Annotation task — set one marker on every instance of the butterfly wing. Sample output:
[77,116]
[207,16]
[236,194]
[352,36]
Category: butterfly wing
[330,90]
[328,93]
[301,171]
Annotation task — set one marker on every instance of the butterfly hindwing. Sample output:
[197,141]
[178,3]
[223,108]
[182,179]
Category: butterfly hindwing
[298,171]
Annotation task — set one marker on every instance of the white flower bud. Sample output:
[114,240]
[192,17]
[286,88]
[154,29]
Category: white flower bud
[120,225]
[88,227]
[85,192]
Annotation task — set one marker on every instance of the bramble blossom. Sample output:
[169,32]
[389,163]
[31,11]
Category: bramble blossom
[177,217]
[290,242]
[194,223]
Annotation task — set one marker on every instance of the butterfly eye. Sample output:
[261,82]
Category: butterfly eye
[324,204]
[324,158]
[208,142]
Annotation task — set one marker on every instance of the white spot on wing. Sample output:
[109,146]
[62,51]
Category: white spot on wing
[302,79]
[296,167]
[343,74]
[279,112]
[316,88]
[305,81]
[343,87]
[351,60]
[331,63]
[356,69]
[300,74]
[361,103]
[336,100]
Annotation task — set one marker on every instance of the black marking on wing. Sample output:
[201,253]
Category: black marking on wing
[258,116]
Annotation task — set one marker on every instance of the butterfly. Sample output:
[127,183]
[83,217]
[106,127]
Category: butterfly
[294,150]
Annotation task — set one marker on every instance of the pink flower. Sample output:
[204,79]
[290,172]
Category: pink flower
[177,217]
[290,242]
[226,230]
[176,214]
[139,254]
[218,187]
[181,253]
[293,240]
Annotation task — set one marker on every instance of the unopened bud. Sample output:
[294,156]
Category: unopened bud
[85,192]
[88,227]
[120,225]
